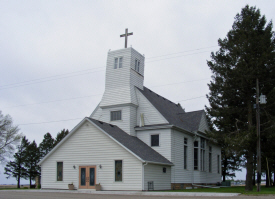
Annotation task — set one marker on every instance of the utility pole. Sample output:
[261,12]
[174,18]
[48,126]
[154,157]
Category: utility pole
[259,175]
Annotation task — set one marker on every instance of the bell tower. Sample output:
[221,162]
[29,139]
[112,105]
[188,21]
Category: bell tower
[124,72]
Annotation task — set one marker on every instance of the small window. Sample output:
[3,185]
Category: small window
[115,115]
[118,170]
[59,171]
[164,169]
[137,64]
[118,62]
[154,140]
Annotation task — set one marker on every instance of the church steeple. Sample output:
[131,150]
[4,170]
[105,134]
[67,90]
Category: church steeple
[124,72]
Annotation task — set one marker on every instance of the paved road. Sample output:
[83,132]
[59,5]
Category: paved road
[51,195]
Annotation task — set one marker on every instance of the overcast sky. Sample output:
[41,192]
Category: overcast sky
[53,54]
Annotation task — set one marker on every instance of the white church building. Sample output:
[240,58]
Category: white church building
[135,139]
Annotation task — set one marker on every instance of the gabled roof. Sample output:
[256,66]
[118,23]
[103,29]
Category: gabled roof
[173,113]
[135,145]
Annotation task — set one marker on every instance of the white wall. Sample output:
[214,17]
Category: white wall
[162,181]
[151,114]
[127,122]
[189,175]
[120,82]
[90,146]
[179,174]
[164,147]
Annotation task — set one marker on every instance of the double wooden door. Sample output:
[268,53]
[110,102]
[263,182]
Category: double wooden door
[87,177]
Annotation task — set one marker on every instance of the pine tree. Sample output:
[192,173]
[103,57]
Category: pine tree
[31,160]
[16,168]
[46,145]
[60,136]
[246,54]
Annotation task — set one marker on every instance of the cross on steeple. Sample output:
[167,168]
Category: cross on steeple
[126,36]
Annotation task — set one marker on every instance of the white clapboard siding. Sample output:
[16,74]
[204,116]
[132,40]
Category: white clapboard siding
[189,175]
[128,114]
[179,174]
[164,147]
[120,82]
[89,146]
[151,114]
[203,124]
[162,181]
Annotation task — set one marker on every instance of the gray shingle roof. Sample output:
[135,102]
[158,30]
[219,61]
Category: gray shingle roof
[132,143]
[174,113]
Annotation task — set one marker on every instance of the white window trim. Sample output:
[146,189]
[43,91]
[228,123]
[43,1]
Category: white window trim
[114,111]
[186,153]
[138,65]
[114,172]
[59,181]
[151,139]
[118,62]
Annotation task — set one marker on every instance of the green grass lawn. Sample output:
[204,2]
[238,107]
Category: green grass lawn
[233,189]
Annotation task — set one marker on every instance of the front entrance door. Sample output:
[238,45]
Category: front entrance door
[87,177]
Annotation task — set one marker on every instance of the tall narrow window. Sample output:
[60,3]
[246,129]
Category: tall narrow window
[116,63]
[185,153]
[154,140]
[59,173]
[210,159]
[115,115]
[196,158]
[120,62]
[118,170]
[137,63]
[202,154]
[218,160]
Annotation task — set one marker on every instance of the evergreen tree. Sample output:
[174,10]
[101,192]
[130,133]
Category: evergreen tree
[31,160]
[245,55]
[46,145]
[16,168]
[60,136]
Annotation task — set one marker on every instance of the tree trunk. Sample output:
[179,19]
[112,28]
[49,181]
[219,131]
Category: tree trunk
[18,181]
[30,181]
[249,164]
[266,179]
[249,172]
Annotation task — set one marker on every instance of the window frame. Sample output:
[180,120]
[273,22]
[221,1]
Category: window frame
[118,62]
[152,140]
[218,160]
[115,171]
[210,160]
[115,119]
[62,176]
[185,154]
[196,151]
[137,65]
[202,146]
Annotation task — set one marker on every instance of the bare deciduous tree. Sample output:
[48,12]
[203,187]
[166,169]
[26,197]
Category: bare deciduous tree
[9,137]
